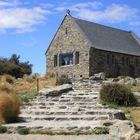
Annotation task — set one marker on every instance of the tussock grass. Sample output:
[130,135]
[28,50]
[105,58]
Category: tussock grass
[13,91]
[117,94]
[8,78]
[9,107]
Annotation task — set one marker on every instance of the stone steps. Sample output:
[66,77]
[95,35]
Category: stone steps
[65,117]
[78,109]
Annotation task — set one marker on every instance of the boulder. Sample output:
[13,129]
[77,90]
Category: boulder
[127,81]
[131,82]
[122,128]
[138,80]
[117,115]
[98,76]
[132,136]
[56,91]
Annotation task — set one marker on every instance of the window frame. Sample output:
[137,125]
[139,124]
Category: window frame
[55,60]
[77,58]
[62,57]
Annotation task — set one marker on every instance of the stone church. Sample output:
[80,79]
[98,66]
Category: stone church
[82,48]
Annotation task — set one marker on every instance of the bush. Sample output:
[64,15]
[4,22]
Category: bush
[36,76]
[49,75]
[14,67]
[64,79]
[8,78]
[117,94]
[28,78]
[25,98]
[6,87]
[3,129]
[101,130]
[9,107]
[24,131]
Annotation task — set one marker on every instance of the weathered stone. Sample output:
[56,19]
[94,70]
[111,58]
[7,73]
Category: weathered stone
[100,76]
[56,91]
[83,114]
[138,80]
[117,115]
[132,136]
[121,128]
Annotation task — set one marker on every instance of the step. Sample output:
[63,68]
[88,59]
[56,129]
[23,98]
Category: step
[65,117]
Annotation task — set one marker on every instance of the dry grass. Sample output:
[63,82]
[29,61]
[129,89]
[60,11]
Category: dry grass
[133,114]
[27,84]
[11,89]
[7,78]
[6,87]
[9,107]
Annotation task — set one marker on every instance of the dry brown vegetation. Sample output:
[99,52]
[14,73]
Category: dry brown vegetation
[12,91]
[9,107]
[27,84]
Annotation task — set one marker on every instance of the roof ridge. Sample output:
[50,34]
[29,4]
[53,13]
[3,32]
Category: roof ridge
[102,25]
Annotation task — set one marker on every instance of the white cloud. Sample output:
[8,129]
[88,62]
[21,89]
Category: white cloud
[21,19]
[79,6]
[8,4]
[97,12]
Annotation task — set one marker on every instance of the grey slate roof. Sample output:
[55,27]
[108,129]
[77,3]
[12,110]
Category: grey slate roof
[109,39]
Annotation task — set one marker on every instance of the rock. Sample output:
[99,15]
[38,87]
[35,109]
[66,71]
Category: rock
[98,76]
[131,82]
[129,135]
[121,81]
[138,80]
[92,78]
[121,77]
[117,115]
[132,136]
[56,91]
[115,79]
[127,81]
[122,128]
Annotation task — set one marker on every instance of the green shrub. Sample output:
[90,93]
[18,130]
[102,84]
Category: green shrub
[3,129]
[23,131]
[117,94]
[101,130]
[25,98]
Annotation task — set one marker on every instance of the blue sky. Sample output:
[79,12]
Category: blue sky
[27,26]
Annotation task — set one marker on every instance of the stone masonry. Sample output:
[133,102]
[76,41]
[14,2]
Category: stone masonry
[68,39]
[70,42]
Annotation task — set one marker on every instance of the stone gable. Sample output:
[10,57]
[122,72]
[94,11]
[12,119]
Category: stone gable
[69,40]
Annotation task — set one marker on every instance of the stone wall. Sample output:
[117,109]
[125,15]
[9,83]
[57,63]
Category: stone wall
[68,39]
[116,66]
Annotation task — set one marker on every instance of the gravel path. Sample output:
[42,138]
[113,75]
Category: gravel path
[46,137]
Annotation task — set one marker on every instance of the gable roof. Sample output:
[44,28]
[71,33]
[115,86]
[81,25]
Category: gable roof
[109,39]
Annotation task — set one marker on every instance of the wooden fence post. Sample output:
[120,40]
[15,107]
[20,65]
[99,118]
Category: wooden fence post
[38,85]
